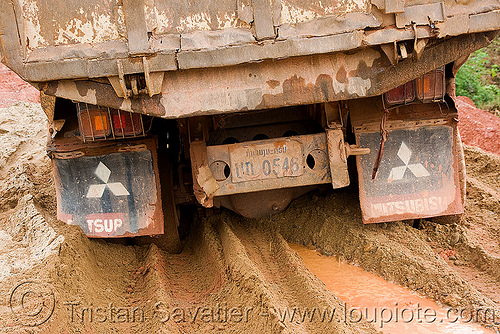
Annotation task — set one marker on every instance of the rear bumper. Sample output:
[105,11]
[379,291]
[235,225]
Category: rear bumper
[269,164]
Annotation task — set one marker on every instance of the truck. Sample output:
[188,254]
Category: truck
[159,107]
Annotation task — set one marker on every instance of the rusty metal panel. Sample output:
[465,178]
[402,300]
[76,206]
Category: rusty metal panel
[417,177]
[296,11]
[199,40]
[421,14]
[394,6]
[110,194]
[453,26]
[70,22]
[272,84]
[483,21]
[135,19]
[280,49]
[169,17]
[70,40]
[270,164]
[263,19]
[329,25]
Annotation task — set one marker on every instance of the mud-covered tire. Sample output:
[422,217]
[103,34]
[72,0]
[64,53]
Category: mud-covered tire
[169,241]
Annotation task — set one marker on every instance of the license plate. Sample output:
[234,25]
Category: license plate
[266,160]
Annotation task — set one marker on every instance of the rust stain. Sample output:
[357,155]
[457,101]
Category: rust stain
[296,91]
[341,75]
[106,96]
[273,83]
[150,105]
[50,88]
[82,88]
[363,71]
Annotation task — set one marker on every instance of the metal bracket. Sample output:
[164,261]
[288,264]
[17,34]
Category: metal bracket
[356,150]
[333,115]
[121,79]
[128,85]
[338,158]
[204,183]
[395,51]
[418,45]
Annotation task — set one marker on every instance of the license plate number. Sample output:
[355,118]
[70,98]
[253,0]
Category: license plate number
[270,160]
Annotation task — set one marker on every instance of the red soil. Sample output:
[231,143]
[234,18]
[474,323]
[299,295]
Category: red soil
[478,127]
[13,89]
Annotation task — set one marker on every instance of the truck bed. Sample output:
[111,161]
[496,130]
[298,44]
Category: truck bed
[227,56]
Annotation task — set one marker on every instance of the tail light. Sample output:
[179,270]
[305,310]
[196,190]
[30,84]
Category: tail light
[402,94]
[126,123]
[430,87]
[103,123]
[94,122]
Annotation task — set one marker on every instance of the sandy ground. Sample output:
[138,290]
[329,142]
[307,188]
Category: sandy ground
[234,275]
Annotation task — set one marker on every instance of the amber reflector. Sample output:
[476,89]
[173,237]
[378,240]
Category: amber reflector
[430,87]
[94,123]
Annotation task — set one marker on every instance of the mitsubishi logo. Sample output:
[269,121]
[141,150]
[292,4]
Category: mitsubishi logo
[404,154]
[103,173]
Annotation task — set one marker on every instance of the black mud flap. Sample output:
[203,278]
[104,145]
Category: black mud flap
[417,177]
[111,195]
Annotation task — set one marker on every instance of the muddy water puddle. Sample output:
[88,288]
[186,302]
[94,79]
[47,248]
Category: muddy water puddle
[390,307]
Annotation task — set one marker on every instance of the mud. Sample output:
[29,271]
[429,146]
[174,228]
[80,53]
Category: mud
[234,274]
[392,308]
[456,265]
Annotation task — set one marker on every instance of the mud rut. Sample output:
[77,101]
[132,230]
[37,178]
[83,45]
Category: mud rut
[234,275]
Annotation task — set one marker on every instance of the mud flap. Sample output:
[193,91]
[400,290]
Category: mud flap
[111,195]
[417,178]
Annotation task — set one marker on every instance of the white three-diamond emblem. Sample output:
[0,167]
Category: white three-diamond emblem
[96,190]
[404,154]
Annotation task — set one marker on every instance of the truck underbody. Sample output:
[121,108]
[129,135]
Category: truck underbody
[117,183]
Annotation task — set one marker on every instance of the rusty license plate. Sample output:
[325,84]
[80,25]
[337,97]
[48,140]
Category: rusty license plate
[266,160]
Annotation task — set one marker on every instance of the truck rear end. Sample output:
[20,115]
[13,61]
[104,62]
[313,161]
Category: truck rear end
[155,104]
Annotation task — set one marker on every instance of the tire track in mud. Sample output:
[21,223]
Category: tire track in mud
[478,247]
[236,279]
[249,276]
[414,257]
